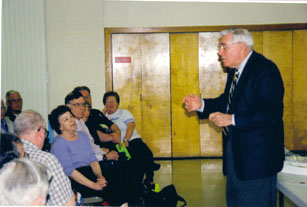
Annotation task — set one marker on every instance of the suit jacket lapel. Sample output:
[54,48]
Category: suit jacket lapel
[248,68]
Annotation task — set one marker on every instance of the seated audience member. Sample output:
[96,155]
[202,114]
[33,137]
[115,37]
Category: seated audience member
[23,182]
[11,148]
[142,157]
[87,112]
[30,127]
[75,102]
[7,126]
[73,150]
[104,131]
[14,104]
[100,128]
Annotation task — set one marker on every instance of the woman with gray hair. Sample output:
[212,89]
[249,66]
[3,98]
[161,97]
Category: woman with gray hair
[23,182]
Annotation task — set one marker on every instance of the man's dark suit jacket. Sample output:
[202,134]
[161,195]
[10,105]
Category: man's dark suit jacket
[257,139]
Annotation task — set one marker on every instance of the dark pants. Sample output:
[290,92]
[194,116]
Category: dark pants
[141,160]
[115,192]
[119,182]
[82,189]
[248,193]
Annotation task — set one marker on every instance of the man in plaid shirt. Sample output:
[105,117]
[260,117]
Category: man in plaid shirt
[30,127]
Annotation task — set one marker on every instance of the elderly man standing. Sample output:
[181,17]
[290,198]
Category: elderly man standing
[30,127]
[250,112]
[14,104]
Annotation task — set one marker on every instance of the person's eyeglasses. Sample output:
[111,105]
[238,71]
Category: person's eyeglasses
[49,182]
[78,105]
[45,130]
[15,100]
[26,155]
[224,47]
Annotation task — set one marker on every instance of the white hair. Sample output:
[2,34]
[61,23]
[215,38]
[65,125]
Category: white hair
[27,121]
[240,35]
[22,181]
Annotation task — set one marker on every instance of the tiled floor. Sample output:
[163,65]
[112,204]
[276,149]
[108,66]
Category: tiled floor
[199,181]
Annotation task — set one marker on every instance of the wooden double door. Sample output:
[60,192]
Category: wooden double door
[153,72]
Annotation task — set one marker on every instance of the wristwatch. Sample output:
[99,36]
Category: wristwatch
[126,140]
[104,157]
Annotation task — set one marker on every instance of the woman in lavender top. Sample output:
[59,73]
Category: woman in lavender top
[75,154]
[73,150]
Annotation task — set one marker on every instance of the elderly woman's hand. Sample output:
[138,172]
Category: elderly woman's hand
[104,110]
[97,186]
[102,181]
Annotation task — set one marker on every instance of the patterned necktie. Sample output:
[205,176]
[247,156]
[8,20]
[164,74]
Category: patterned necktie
[232,89]
[233,86]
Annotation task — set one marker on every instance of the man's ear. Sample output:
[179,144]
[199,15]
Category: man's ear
[39,201]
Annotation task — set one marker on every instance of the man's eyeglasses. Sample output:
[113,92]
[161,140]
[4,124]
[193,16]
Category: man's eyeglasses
[49,182]
[15,100]
[224,47]
[78,105]
[26,155]
[45,130]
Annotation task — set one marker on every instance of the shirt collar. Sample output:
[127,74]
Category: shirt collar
[27,143]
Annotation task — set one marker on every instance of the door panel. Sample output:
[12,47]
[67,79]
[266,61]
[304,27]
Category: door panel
[300,89]
[184,80]
[141,74]
[127,74]
[212,80]
[258,41]
[277,46]
[156,93]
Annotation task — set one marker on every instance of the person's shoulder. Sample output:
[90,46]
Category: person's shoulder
[7,119]
[43,157]
[9,123]
[95,111]
[125,112]
[82,135]
[97,114]
[261,64]
[260,58]
[58,140]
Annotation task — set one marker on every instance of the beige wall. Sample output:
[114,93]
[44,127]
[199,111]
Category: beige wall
[23,56]
[75,42]
[159,14]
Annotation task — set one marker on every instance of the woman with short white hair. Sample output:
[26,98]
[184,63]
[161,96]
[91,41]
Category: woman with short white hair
[23,182]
